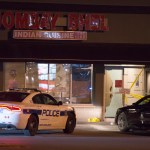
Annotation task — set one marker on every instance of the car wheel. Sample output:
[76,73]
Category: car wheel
[70,124]
[122,122]
[32,126]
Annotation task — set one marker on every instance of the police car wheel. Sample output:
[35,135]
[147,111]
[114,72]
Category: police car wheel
[32,126]
[70,124]
[122,122]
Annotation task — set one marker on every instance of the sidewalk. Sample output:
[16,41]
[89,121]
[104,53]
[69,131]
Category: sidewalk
[102,126]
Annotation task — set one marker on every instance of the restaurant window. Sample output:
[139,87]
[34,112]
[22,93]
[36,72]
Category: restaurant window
[70,83]
[81,84]
[46,76]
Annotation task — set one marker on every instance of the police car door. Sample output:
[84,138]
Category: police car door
[51,111]
[38,107]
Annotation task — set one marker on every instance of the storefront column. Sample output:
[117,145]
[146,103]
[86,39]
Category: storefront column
[98,87]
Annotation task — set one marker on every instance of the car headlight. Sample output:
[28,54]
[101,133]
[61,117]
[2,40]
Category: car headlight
[132,111]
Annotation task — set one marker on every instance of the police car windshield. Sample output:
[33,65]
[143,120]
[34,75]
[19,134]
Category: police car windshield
[13,96]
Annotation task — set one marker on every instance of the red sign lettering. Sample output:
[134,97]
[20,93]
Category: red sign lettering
[73,22]
[44,22]
[47,20]
[88,22]
[53,21]
[22,20]
[8,20]
[33,21]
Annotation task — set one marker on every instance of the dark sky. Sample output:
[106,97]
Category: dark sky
[99,2]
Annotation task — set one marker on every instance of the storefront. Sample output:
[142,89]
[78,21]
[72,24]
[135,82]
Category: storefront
[93,57]
[70,83]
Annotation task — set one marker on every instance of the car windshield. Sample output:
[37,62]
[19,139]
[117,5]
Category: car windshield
[144,100]
[13,96]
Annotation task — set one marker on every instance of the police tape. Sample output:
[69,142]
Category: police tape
[136,79]
[136,96]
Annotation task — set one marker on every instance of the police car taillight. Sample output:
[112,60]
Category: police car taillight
[11,108]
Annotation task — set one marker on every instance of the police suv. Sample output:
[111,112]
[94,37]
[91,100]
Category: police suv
[31,110]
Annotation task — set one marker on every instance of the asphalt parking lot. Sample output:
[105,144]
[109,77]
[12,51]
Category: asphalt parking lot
[97,136]
[86,126]
[102,126]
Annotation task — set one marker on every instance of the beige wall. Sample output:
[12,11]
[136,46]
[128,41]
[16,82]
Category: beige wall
[124,28]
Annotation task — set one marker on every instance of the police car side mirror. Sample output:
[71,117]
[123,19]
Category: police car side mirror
[60,103]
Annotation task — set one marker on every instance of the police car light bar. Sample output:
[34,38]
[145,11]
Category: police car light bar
[25,89]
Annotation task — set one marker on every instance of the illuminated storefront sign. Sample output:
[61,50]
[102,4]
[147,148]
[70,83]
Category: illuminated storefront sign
[49,21]
[50,35]
[87,22]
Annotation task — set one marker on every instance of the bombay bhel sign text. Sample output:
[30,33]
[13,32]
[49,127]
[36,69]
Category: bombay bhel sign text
[31,20]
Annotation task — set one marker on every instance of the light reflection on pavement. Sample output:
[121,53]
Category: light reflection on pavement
[85,137]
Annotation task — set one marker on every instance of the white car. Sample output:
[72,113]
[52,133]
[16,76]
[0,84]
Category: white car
[31,110]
